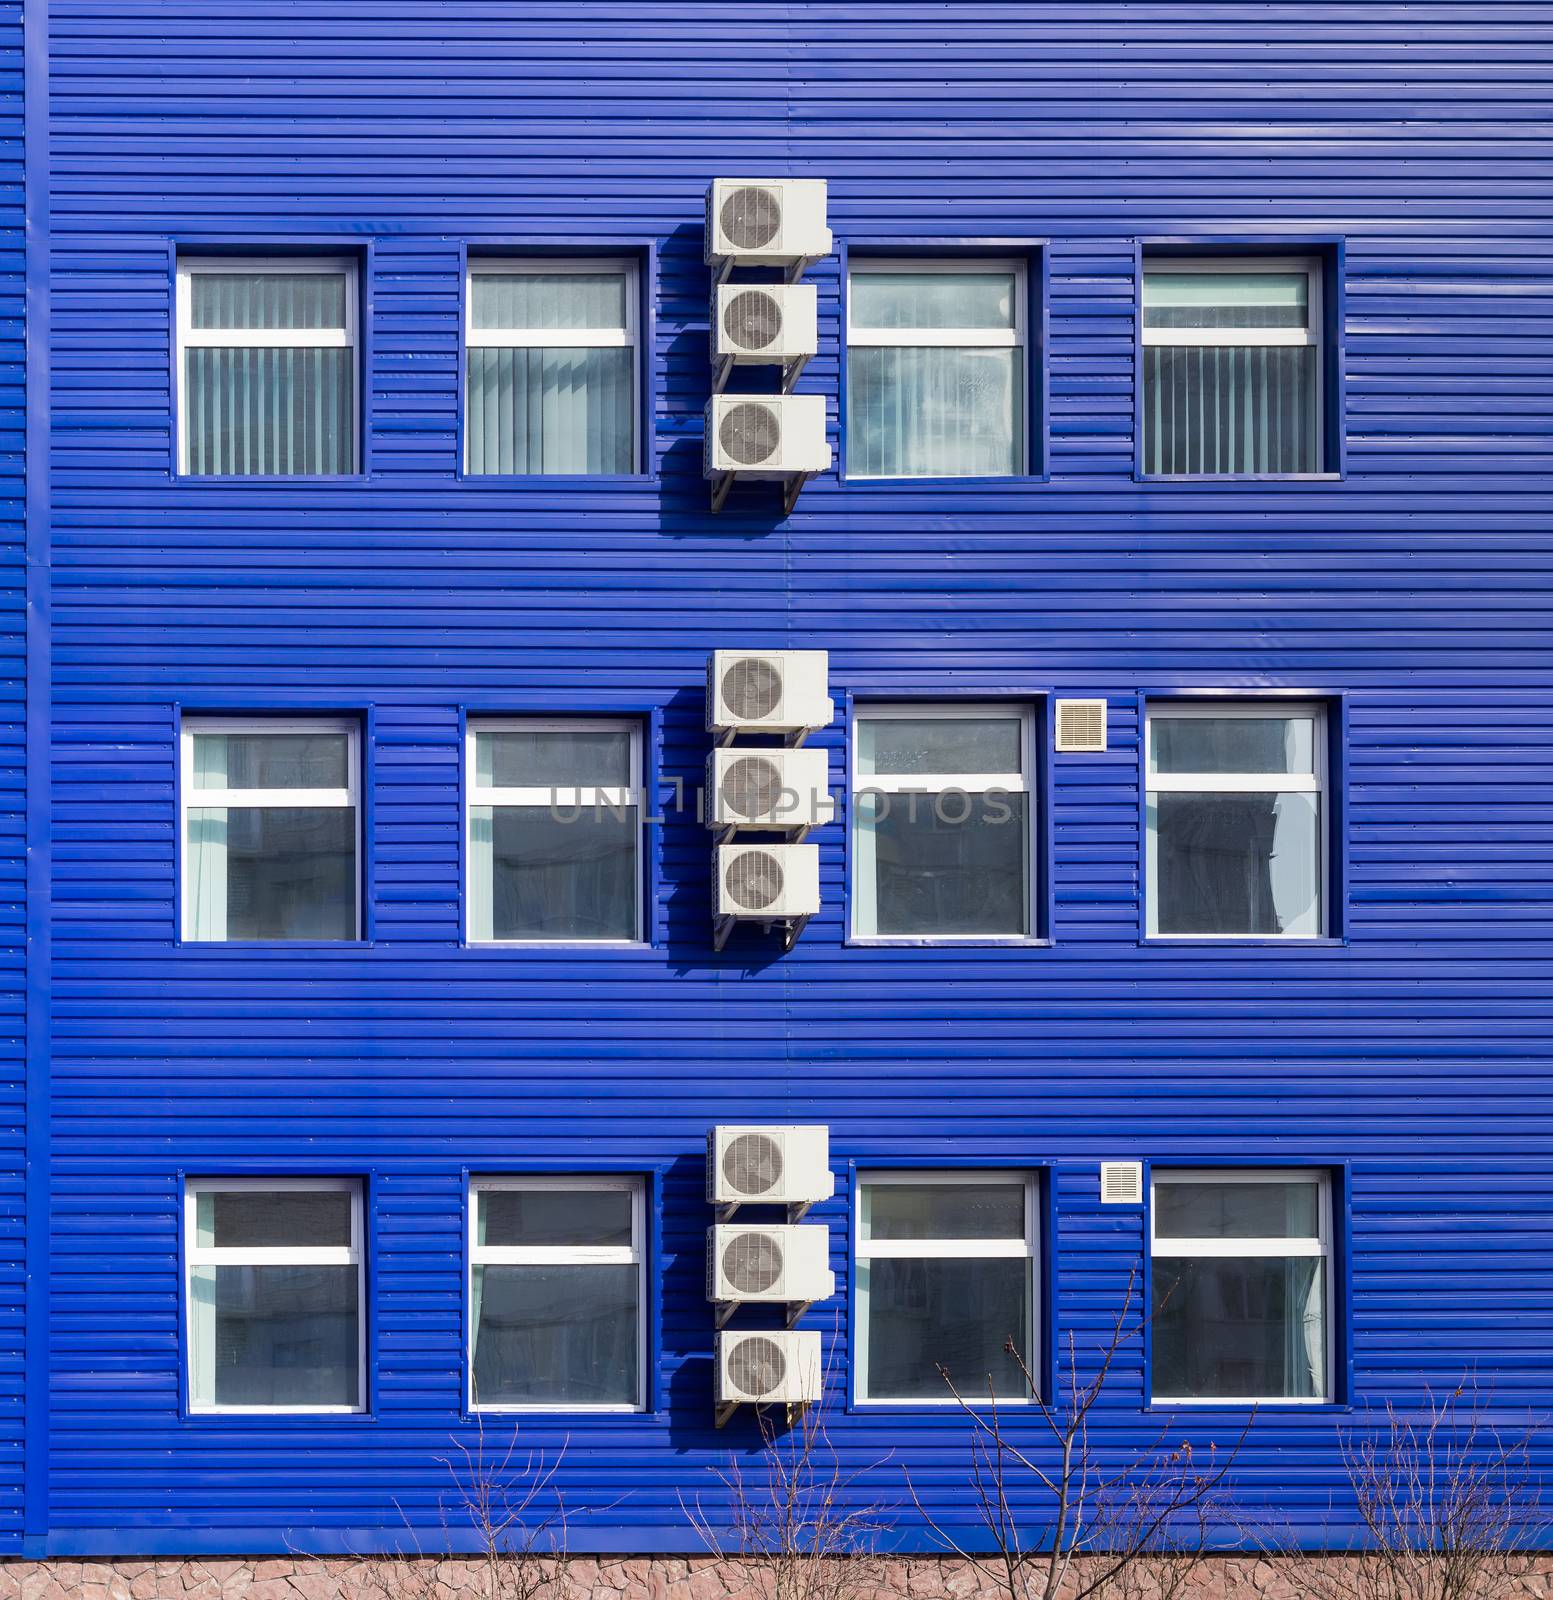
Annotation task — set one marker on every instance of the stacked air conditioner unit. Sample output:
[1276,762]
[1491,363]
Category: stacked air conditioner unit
[783,1264]
[771,223]
[764,789]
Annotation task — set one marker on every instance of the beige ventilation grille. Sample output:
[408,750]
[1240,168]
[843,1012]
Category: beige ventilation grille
[1080,725]
[1121,1183]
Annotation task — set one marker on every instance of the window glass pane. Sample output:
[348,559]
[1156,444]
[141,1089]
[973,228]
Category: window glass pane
[275,1336]
[933,299]
[1224,1209]
[272,872]
[556,872]
[1226,299]
[531,758]
[907,746]
[267,299]
[942,864]
[271,760]
[270,409]
[272,1218]
[1230,408]
[1236,863]
[539,410]
[934,411]
[554,1217]
[967,1210]
[1241,1328]
[1232,744]
[548,299]
[555,1335]
[924,1314]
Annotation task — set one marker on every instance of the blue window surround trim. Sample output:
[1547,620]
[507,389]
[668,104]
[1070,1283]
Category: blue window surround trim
[1037,255]
[654,929]
[645,254]
[1041,856]
[1332,251]
[653,1175]
[38,825]
[359,249]
[1337,828]
[368,1178]
[258,706]
[1044,1365]
[1340,1312]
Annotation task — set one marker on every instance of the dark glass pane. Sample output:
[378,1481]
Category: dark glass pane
[959,1315]
[555,1335]
[967,1210]
[271,409]
[1237,863]
[560,876]
[291,872]
[1241,1328]
[1229,1210]
[936,874]
[271,760]
[555,1217]
[1230,408]
[280,1336]
[1232,744]
[273,1218]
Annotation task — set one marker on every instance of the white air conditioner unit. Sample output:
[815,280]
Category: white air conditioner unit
[768,789]
[768,1368]
[1121,1183]
[1080,726]
[783,1265]
[765,436]
[766,222]
[764,324]
[767,691]
[763,1166]
[765,882]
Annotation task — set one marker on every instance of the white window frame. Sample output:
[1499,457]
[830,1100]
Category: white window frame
[190,337]
[634,1254]
[1174,1247]
[1029,1249]
[1014,338]
[586,796]
[628,337]
[192,799]
[1313,782]
[1313,333]
[1022,782]
[275,1256]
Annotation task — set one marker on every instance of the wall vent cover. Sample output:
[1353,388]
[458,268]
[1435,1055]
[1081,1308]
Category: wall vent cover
[752,1164]
[754,879]
[752,1261]
[1080,725]
[1121,1183]
[751,217]
[753,319]
[757,1366]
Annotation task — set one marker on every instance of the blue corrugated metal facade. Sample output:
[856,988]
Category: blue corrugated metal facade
[1408,1053]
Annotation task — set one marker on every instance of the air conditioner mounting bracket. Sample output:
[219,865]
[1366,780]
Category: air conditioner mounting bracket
[725,1411]
[791,489]
[721,484]
[722,928]
[792,371]
[795,1310]
[796,1213]
[722,367]
[791,932]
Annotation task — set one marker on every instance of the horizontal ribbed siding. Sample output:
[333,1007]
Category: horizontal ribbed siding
[1417,1053]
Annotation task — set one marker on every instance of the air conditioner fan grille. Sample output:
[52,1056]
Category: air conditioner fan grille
[752,688]
[750,433]
[756,1366]
[754,880]
[752,1262]
[751,218]
[752,319]
[752,1164]
[752,786]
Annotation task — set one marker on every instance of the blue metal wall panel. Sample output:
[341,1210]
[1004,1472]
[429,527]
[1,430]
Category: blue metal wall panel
[1413,1054]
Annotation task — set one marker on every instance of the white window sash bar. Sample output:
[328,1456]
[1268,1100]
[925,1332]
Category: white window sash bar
[943,1249]
[1252,337]
[273,1256]
[551,338]
[269,338]
[259,798]
[560,795]
[935,782]
[1235,782]
[955,338]
[1178,1249]
[556,1255]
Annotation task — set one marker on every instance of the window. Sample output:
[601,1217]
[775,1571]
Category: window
[942,818]
[551,372]
[945,1278]
[1241,1286]
[556,1286]
[555,827]
[269,830]
[1236,820]
[267,366]
[274,1294]
[1232,365]
[936,375]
